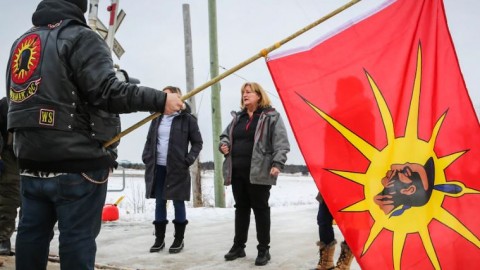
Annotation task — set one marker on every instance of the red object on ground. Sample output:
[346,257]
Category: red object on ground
[110,212]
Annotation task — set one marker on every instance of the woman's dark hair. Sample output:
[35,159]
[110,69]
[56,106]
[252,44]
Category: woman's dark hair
[173,89]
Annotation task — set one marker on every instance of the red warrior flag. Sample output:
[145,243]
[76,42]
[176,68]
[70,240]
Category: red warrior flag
[382,116]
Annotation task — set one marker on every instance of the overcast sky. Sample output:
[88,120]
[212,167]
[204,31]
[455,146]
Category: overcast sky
[152,35]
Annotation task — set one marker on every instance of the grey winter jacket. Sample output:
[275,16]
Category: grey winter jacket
[184,131]
[270,147]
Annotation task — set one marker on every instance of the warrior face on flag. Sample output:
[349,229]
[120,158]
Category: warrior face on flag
[406,184]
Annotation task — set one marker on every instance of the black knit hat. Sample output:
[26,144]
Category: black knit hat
[82,4]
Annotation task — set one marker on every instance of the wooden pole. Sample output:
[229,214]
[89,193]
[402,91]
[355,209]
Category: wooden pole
[262,53]
[195,168]
[216,106]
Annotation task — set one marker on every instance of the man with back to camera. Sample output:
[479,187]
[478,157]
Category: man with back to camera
[64,101]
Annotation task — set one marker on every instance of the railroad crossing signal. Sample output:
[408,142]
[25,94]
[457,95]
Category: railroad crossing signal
[107,33]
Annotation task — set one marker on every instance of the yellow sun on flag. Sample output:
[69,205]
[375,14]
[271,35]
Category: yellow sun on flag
[388,183]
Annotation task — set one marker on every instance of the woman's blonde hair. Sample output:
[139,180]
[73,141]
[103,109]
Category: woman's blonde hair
[264,100]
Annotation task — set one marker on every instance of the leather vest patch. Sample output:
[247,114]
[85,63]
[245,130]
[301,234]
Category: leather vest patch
[20,95]
[47,117]
[25,58]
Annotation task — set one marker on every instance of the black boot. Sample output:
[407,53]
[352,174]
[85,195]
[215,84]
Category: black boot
[237,251]
[263,257]
[177,244]
[5,247]
[160,227]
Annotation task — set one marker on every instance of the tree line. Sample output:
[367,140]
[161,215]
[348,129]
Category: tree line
[209,165]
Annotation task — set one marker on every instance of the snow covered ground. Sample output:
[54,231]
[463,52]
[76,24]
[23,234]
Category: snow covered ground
[126,242]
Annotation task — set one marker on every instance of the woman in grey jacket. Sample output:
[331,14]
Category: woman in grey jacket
[167,158]
[255,146]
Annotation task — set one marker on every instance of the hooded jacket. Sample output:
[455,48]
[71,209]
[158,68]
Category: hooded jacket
[63,91]
[270,147]
[184,131]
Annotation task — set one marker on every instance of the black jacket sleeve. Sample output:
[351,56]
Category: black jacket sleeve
[89,59]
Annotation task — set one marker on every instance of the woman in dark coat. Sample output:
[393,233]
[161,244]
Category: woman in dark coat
[167,158]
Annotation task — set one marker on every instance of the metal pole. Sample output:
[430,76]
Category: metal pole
[262,53]
[195,168]
[216,111]
[112,22]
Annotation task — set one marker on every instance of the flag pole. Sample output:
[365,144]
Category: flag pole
[263,53]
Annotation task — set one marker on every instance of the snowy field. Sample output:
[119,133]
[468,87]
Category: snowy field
[125,243]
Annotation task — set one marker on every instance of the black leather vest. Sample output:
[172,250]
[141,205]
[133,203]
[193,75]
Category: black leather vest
[43,93]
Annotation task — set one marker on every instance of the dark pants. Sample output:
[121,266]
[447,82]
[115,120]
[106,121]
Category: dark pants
[76,204]
[161,204]
[324,221]
[9,194]
[249,196]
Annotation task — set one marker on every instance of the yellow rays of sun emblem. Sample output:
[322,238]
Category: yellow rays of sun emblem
[26,58]
[390,200]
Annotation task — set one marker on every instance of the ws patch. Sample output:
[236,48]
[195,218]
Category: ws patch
[47,117]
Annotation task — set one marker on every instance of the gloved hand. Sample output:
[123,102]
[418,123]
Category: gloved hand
[1,167]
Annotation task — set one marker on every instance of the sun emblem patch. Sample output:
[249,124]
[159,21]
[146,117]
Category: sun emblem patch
[25,59]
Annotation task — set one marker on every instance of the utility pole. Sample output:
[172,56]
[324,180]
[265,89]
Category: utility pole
[93,14]
[195,168]
[216,110]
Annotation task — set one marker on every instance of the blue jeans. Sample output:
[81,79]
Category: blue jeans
[76,204]
[161,204]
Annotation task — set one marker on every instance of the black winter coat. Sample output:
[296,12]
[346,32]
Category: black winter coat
[184,131]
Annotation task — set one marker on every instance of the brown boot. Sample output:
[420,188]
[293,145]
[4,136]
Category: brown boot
[326,255]
[345,259]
